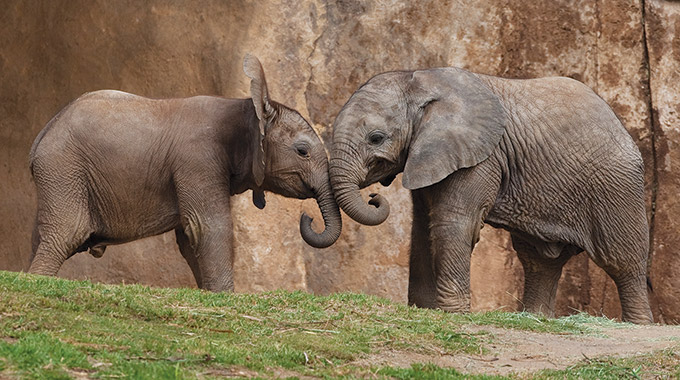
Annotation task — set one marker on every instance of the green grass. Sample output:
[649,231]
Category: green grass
[428,372]
[54,328]
[659,365]
[576,324]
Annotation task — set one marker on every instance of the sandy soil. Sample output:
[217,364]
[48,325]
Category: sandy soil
[514,351]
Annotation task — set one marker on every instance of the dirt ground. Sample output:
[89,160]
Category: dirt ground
[514,351]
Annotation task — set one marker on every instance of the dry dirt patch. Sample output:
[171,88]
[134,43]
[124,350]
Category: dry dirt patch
[515,351]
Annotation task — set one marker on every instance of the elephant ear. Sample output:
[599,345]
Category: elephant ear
[462,122]
[263,109]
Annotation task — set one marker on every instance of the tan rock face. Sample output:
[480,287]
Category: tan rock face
[663,34]
[315,55]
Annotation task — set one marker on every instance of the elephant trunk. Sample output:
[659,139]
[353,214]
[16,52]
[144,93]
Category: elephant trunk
[346,189]
[331,218]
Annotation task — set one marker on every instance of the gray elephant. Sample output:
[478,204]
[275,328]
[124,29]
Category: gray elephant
[113,167]
[546,159]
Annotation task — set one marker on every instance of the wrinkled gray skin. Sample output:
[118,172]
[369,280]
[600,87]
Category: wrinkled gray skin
[545,159]
[113,167]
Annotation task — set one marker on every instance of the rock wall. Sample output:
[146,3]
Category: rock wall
[315,54]
[663,47]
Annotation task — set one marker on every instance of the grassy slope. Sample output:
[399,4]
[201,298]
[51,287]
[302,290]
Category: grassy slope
[54,328]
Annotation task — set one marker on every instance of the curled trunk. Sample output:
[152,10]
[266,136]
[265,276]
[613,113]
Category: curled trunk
[346,189]
[331,218]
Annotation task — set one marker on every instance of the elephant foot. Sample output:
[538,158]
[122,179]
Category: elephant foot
[634,299]
[45,265]
[638,318]
[223,282]
[424,301]
[540,290]
[542,309]
[454,305]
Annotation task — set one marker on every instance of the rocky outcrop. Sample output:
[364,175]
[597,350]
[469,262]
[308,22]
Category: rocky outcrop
[315,54]
[662,26]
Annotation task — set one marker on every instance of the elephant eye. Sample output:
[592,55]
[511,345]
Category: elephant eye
[376,138]
[302,150]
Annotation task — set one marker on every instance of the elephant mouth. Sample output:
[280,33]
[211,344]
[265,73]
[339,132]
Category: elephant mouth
[309,193]
[376,167]
[388,180]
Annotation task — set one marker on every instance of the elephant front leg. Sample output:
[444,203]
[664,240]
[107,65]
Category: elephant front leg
[452,244]
[421,281]
[211,242]
[206,236]
[457,208]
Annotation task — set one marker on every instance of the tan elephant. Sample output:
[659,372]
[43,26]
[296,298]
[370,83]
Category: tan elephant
[546,159]
[114,167]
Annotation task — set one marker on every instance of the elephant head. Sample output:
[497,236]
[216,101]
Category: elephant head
[426,124]
[290,159]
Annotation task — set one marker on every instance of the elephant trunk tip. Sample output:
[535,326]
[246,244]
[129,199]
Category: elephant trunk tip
[375,212]
[382,209]
[345,183]
[317,240]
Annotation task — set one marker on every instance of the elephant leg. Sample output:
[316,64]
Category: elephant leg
[457,208]
[631,282]
[621,249]
[421,281]
[188,254]
[60,229]
[452,248]
[48,260]
[632,289]
[541,274]
[206,221]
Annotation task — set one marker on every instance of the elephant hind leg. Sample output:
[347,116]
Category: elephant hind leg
[623,253]
[628,269]
[542,263]
[54,248]
[63,224]
[632,287]
[633,294]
